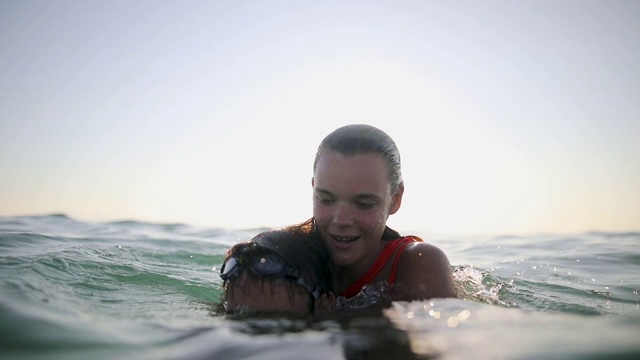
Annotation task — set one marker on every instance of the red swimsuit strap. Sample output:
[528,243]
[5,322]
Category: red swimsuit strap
[379,264]
[392,275]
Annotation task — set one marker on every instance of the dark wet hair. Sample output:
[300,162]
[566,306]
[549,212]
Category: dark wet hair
[357,139]
[300,246]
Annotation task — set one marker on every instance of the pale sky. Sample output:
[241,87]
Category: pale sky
[510,116]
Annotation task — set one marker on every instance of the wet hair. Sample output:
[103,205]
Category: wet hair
[358,139]
[300,246]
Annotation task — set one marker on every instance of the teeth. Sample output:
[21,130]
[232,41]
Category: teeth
[344,239]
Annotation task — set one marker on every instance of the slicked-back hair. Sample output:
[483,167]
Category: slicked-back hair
[358,139]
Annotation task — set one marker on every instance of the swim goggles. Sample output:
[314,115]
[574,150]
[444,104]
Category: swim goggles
[267,265]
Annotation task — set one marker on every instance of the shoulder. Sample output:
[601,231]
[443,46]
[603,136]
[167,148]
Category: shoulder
[424,272]
[426,257]
[419,250]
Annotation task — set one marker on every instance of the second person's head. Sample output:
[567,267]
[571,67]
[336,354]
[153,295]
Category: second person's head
[278,271]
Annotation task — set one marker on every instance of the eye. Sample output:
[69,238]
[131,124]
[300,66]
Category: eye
[366,205]
[324,200]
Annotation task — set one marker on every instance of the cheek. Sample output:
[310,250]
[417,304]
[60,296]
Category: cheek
[374,222]
[373,218]
[321,213]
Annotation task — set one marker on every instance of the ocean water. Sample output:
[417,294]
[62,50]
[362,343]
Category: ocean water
[72,289]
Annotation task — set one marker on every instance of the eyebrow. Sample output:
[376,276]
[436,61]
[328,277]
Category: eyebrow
[326,192]
[365,196]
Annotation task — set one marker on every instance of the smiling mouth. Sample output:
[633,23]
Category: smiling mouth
[344,242]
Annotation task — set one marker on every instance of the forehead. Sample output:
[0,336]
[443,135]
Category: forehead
[361,173]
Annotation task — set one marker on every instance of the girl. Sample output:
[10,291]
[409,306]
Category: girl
[357,184]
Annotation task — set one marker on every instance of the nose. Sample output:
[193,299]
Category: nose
[343,215]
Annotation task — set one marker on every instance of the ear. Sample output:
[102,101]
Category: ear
[396,200]
[326,303]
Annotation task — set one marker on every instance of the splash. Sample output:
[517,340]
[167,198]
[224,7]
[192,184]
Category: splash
[473,284]
[372,295]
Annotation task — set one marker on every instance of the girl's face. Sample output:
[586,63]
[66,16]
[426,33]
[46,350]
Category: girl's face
[351,203]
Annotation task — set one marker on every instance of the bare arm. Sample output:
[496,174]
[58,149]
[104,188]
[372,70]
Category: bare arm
[424,272]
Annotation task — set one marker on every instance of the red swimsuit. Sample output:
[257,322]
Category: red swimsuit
[380,262]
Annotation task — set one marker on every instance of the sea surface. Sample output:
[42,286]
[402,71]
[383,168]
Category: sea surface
[72,289]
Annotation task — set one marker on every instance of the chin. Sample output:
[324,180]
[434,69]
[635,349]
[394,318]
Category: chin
[341,260]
